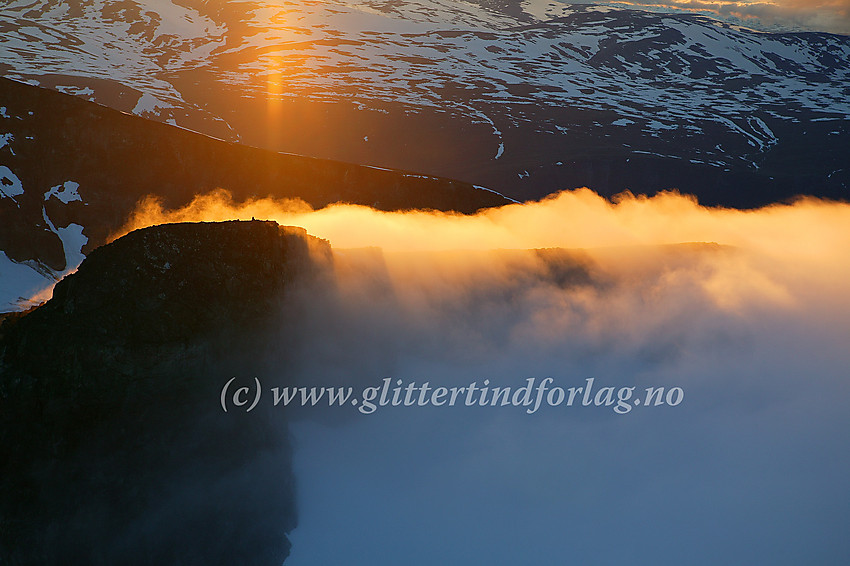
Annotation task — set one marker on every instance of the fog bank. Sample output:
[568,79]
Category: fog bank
[746,311]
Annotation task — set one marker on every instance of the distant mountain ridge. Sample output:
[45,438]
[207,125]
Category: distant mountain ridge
[72,171]
[522,97]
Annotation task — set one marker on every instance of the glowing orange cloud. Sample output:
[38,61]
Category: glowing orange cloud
[570,219]
[784,250]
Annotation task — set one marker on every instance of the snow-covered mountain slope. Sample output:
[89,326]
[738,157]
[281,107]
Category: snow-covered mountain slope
[525,97]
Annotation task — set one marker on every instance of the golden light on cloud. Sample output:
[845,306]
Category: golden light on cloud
[777,252]
[569,219]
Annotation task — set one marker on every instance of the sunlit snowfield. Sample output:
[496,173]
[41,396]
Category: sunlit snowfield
[746,311]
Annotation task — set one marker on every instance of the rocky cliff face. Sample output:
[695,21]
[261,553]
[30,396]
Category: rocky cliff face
[116,450]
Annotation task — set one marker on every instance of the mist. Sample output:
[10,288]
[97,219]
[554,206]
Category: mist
[746,311]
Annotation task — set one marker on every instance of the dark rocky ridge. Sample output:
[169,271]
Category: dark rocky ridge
[117,159]
[116,450]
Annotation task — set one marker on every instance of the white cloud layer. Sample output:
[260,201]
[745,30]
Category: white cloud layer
[752,324]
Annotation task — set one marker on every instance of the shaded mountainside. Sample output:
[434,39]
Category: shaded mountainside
[116,450]
[526,98]
[65,162]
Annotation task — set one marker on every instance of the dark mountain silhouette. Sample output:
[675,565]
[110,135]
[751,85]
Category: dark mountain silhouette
[116,449]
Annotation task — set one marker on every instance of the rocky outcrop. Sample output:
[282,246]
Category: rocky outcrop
[116,450]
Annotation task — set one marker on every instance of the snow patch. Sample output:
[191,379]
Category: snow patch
[501,150]
[19,282]
[546,9]
[73,241]
[26,284]
[5,140]
[66,192]
[182,22]
[149,104]
[10,185]
[75,90]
